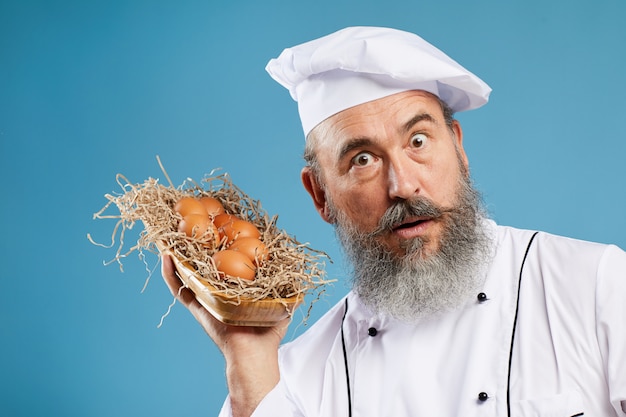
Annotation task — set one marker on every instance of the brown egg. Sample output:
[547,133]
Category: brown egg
[221,219]
[189,205]
[239,228]
[212,205]
[235,264]
[199,226]
[252,247]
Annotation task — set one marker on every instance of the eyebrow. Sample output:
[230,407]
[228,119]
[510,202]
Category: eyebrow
[417,119]
[354,143]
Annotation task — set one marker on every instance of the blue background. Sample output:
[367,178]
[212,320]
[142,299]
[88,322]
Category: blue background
[89,89]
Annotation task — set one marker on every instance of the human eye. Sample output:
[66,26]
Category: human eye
[418,140]
[362,159]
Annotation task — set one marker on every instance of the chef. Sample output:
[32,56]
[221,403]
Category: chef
[449,314]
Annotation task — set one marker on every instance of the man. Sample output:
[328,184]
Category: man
[450,314]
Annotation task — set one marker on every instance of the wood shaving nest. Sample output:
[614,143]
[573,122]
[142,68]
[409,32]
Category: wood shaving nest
[292,268]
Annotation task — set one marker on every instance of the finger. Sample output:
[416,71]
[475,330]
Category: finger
[281,327]
[169,274]
[174,283]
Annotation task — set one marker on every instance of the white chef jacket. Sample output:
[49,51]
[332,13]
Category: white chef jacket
[559,351]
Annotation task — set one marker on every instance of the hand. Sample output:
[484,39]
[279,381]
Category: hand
[251,353]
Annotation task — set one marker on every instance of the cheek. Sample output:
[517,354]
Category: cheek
[445,184]
[361,204]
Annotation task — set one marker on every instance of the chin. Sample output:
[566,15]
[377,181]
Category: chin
[416,248]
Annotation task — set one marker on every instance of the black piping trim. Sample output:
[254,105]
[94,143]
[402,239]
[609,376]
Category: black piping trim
[519,286]
[345,359]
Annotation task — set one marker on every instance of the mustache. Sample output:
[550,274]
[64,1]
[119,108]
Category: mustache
[402,210]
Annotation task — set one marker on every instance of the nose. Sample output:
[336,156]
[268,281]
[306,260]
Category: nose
[403,178]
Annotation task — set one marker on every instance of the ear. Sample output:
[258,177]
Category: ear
[317,193]
[458,137]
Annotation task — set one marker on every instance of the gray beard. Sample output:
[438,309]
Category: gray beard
[415,286]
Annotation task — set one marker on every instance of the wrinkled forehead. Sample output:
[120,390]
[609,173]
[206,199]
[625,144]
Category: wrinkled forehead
[361,121]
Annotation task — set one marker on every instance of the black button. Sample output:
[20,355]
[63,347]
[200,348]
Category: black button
[482,297]
[372,331]
[483,396]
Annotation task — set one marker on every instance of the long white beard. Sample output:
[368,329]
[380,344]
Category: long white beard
[415,286]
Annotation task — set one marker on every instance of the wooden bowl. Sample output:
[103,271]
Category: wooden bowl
[236,311]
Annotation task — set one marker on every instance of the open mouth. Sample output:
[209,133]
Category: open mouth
[412,228]
[410,224]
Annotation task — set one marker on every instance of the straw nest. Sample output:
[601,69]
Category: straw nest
[292,269]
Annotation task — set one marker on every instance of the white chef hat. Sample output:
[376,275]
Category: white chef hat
[360,64]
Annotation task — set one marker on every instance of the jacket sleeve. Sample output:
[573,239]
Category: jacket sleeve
[611,323]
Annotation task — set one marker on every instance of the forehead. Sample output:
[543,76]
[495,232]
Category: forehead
[389,114]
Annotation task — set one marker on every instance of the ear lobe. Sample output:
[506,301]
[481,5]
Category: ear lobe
[317,193]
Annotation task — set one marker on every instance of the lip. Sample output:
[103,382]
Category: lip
[412,227]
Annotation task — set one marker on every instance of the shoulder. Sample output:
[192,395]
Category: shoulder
[316,342]
[549,243]
[329,323]
[564,259]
